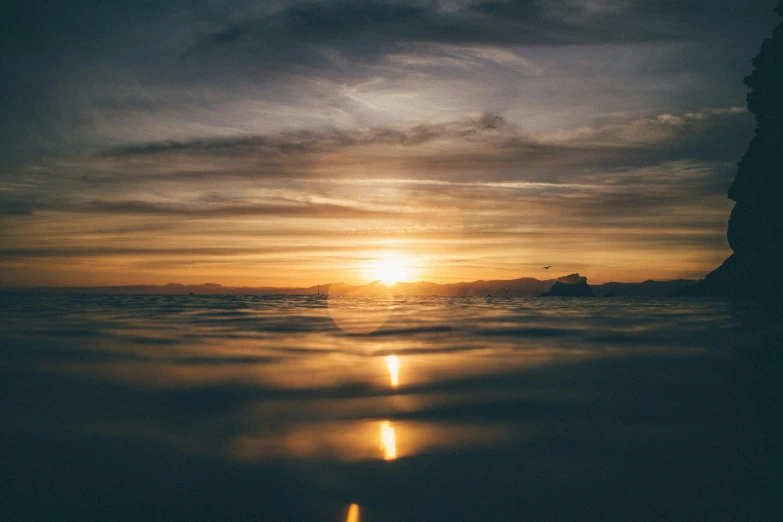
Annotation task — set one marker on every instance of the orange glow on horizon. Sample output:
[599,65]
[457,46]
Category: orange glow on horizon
[332,258]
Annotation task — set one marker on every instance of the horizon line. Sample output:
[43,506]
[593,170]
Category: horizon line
[375,282]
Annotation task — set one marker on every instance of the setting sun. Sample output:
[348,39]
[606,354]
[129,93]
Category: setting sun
[391,269]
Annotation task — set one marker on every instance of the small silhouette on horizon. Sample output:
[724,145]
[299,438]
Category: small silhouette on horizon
[546,267]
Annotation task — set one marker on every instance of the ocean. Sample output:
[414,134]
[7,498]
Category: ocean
[266,408]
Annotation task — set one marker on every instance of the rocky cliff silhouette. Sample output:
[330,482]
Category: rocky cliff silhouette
[755,232]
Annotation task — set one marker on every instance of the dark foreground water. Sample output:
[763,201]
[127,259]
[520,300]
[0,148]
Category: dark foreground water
[294,408]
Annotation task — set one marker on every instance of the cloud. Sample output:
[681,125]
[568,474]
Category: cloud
[452,150]
[314,141]
[16,208]
[86,77]
[203,254]
[222,209]
[275,203]
[647,182]
[383,25]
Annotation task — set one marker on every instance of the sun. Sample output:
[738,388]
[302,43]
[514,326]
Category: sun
[391,269]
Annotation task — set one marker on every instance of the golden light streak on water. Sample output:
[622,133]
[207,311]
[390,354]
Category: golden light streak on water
[394,369]
[388,441]
[353,513]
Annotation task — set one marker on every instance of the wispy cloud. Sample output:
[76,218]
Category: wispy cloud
[614,184]
[451,151]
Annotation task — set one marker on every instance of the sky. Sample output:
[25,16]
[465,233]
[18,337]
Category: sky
[295,143]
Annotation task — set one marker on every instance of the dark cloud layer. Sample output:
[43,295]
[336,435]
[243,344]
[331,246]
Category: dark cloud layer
[639,166]
[520,22]
[77,71]
[487,141]
[322,141]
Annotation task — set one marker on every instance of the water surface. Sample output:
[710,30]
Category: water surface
[138,407]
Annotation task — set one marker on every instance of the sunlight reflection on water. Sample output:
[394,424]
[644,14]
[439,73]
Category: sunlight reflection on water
[393,363]
[388,441]
[286,372]
[263,381]
[353,513]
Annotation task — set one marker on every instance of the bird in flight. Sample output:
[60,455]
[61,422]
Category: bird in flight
[546,267]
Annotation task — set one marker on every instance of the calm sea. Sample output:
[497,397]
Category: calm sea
[266,408]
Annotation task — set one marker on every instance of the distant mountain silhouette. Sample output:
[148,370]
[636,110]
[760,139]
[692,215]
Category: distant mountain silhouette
[755,231]
[522,287]
[572,285]
[648,288]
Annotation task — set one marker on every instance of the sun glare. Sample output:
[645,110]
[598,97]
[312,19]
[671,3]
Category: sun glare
[391,269]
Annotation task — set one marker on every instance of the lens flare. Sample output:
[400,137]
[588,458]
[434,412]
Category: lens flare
[394,370]
[355,312]
[388,442]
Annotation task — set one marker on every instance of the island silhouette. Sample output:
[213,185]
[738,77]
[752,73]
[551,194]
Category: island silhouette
[572,285]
